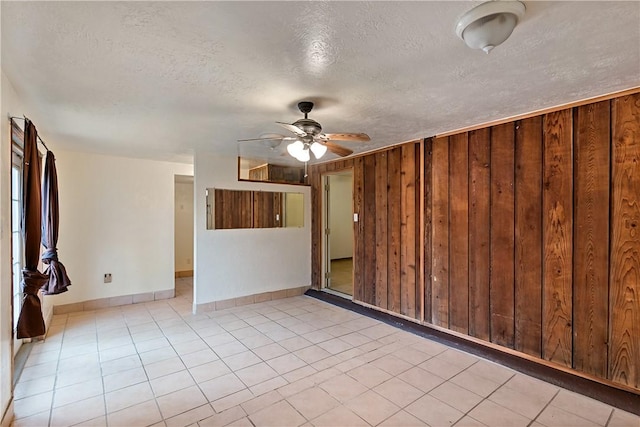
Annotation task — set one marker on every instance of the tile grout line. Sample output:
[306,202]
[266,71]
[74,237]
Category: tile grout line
[544,408]
[483,398]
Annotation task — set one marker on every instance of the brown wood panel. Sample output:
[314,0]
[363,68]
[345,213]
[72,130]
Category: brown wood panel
[419,224]
[267,209]
[316,226]
[502,236]
[369,220]
[479,226]
[426,205]
[359,237]
[382,242]
[394,162]
[233,209]
[591,238]
[459,235]
[408,231]
[528,237]
[440,233]
[624,281]
[557,211]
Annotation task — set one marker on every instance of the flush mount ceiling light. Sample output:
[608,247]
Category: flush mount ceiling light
[490,24]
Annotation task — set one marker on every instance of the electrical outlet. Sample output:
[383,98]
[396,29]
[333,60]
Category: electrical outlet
[188,261]
[107,278]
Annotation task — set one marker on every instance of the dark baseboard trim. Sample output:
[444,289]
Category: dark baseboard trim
[619,398]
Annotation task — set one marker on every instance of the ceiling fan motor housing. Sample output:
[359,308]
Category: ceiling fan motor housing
[309,126]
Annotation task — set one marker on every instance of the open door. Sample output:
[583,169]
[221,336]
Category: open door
[338,232]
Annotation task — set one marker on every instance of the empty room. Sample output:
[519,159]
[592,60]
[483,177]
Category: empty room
[320,213]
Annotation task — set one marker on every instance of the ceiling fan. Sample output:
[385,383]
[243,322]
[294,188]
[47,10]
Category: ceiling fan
[309,137]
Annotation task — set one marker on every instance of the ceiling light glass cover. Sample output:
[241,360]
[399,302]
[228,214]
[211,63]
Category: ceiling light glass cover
[318,149]
[295,148]
[490,24]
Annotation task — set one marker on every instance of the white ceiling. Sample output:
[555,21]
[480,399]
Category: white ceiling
[162,79]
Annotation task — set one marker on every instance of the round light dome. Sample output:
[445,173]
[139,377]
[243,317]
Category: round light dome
[490,24]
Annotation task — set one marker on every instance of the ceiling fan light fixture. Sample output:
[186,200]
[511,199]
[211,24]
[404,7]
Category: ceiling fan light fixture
[489,24]
[304,156]
[318,149]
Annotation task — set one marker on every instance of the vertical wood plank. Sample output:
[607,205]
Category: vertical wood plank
[501,291]
[314,180]
[394,161]
[624,281]
[459,234]
[358,207]
[591,238]
[408,231]
[427,229]
[440,233]
[382,242]
[557,204]
[369,230]
[528,241]
[479,226]
[419,224]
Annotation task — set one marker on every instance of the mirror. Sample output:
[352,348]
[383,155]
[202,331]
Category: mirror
[265,162]
[227,209]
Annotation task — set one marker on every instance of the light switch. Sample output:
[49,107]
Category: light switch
[355,217]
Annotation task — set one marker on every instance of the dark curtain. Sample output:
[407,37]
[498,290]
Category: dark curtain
[58,279]
[30,322]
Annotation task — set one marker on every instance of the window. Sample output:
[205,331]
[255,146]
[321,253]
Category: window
[17,249]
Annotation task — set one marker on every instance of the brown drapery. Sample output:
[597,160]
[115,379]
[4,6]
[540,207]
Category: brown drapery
[58,279]
[30,322]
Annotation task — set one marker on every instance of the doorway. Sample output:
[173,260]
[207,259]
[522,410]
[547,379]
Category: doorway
[183,227]
[338,233]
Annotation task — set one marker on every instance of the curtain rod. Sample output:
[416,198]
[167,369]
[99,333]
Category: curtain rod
[39,139]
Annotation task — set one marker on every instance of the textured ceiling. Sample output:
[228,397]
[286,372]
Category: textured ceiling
[162,79]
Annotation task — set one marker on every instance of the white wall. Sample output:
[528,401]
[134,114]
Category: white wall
[184,226]
[116,216]
[341,216]
[234,263]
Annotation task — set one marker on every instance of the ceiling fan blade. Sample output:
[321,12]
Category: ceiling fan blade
[258,139]
[292,128]
[338,149]
[359,137]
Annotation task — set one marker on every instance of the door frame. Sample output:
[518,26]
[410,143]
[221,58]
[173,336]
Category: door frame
[325,246]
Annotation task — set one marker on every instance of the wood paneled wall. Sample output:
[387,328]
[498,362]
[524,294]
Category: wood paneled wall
[386,197]
[531,235]
[387,186]
[247,209]
[535,237]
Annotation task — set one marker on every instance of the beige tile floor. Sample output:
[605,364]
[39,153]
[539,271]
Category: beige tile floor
[296,361]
